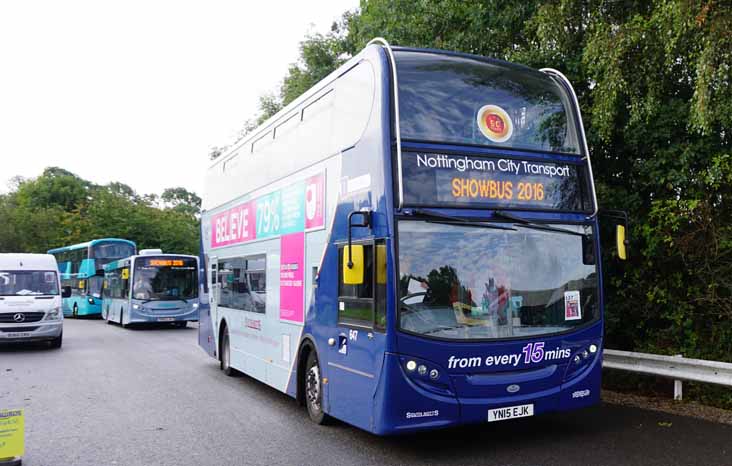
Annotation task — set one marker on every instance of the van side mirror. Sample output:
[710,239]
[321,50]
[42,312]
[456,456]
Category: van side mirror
[353,265]
[66,292]
[621,242]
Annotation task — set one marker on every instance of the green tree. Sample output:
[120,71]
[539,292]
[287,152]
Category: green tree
[59,208]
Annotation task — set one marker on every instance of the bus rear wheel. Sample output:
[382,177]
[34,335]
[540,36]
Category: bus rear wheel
[226,355]
[314,390]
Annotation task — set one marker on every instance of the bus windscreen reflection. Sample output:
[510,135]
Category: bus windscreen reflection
[464,283]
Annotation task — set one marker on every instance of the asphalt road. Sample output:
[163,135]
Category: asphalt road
[114,396]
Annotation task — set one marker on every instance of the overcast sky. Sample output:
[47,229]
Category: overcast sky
[138,91]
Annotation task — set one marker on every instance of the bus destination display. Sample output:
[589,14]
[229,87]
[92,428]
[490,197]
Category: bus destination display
[169,263]
[432,179]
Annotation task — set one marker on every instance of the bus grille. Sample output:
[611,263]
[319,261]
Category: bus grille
[18,329]
[9,318]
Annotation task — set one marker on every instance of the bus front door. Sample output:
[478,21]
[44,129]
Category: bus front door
[206,320]
[356,349]
[354,365]
[214,295]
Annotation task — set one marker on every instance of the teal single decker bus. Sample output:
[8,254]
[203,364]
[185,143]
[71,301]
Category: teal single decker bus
[81,267]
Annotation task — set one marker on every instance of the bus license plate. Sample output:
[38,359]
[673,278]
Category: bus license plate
[19,335]
[510,412]
[166,319]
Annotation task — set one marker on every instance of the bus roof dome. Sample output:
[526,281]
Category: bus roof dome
[150,252]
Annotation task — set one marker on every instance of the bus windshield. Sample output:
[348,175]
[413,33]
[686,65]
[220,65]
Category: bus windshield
[28,283]
[94,286]
[465,283]
[107,252]
[165,279]
[462,100]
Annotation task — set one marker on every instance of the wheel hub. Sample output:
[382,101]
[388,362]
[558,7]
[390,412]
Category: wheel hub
[313,388]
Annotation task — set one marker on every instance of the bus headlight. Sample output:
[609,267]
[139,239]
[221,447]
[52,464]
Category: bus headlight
[195,306]
[136,307]
[54,314]
[411,365]
[593,348]
[91,300]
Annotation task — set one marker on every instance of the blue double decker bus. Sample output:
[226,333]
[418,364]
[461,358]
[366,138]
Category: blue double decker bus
[82,269]
[411,244]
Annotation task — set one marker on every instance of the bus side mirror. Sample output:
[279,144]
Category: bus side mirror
[621,238]
[621,242]
[381,264]
[66,292]
[353,265]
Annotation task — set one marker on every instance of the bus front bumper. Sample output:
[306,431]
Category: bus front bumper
[408,405]
[151,316]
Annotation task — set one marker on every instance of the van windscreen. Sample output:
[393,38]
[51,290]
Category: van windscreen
[28,283]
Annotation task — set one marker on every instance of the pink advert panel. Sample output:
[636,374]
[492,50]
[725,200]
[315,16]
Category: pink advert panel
[315,202]
[235,225]
[292,267]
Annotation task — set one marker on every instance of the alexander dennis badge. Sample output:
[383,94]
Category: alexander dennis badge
[12,432]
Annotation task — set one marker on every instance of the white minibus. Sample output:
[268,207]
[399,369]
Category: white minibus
[30,299]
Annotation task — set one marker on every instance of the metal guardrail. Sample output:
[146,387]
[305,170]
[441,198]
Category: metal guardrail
[673,367]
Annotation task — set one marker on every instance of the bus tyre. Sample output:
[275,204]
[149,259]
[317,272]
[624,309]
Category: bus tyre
[226,355]
[314,390]
[56,342]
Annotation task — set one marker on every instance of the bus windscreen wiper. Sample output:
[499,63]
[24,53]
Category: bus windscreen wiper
[434,217]
[522,222]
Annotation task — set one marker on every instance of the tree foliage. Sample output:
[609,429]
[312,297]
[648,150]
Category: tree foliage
[59,208]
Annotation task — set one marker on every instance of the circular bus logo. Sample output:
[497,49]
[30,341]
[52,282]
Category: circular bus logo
[494,123]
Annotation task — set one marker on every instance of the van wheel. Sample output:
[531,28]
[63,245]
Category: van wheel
[226,355]
[314,390]
[56,342]
[75,312]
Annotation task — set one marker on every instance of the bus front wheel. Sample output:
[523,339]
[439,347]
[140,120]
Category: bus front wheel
[314,390]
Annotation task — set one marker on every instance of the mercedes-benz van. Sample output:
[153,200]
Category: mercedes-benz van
[30,299]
